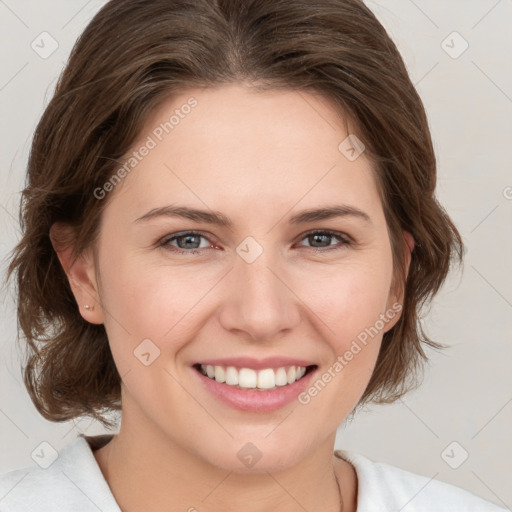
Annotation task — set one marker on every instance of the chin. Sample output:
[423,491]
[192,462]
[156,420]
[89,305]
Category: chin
[260,455]
[267,463]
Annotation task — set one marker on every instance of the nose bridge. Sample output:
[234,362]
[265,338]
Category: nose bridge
[259,302]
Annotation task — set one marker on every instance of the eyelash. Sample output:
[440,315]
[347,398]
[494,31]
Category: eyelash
[345,241]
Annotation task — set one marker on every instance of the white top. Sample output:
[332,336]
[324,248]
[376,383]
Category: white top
[74,483]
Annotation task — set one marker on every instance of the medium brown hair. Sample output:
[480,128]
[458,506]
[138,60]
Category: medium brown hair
[132,56]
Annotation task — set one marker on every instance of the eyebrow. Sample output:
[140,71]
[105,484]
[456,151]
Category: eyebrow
[219,219]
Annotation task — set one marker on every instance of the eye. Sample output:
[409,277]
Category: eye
[186,242]
[190,242]
[322,239]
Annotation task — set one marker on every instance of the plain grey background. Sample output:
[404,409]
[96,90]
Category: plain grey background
[456,427]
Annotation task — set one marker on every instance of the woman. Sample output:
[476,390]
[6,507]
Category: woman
[229,228]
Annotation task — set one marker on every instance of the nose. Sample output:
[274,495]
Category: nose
[259,302]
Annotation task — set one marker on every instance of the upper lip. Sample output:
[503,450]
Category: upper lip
[257,364]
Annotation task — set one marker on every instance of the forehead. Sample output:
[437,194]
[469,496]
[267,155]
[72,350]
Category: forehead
[233,146]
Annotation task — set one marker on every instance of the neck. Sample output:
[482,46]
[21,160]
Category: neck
[146,471]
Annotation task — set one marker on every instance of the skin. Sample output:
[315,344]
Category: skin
[258,158]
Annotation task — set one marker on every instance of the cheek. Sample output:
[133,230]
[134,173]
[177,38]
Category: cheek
[155,302]
[148,298]
[348,308]
[348,304]
[348,299]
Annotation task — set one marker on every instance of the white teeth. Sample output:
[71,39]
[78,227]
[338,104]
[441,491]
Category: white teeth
[247,378]
[266,379]
[281,378]
[292,373]
[231,376]
[220,374]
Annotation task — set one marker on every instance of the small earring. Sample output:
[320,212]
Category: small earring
[89,307]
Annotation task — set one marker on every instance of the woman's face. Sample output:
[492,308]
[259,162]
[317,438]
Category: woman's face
[253,282]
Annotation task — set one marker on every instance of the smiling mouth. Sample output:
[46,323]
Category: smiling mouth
[265,379]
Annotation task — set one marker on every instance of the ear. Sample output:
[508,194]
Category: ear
[395,302]
[80,273]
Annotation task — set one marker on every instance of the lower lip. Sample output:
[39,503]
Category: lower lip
[255,401]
